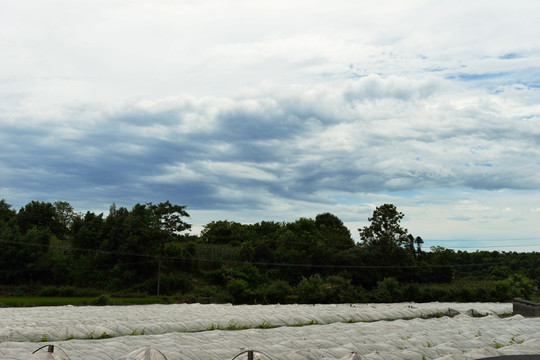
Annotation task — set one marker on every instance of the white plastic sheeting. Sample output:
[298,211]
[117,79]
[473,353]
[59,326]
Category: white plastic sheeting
[145,353]
[47,353]
[179,331]
[47,356]
[252,354]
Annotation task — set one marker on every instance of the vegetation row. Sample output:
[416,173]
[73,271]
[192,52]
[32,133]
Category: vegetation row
[46,249]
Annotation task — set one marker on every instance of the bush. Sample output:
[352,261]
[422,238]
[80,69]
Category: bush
[435,293]
[174,283]
[64,291]
[277,292]
[21,290]
[339,290]
[480,293]
[502,290]
[387,291]
[48,291]
[239,290]
[102,300]
[311,290]
[465,294]
[411,292]
[520,286]
[249,273]
[209,294]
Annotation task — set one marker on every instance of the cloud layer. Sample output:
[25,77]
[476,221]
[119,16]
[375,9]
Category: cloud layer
[277,110]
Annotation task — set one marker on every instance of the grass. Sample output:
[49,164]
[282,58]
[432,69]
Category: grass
[265,325]
[515,340]
[307,323]
[232,325]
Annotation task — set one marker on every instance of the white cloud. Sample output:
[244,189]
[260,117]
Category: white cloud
[279,109]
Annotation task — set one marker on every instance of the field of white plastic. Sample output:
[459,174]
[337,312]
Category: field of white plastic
[195,331]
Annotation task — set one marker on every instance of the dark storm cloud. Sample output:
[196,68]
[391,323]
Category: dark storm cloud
[372,135]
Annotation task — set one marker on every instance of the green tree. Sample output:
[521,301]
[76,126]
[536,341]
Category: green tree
[385,229]
[64,215]
[88,233]
[266,232]
[31,254]
[418,241]
[41,215]
[298,243]
[388,290]
[311,290]
[520,286]
[239,290]
[10,244]
[6,213]
[58,262]
[223,232]
[442,260]
[169,218]
[335,234]
[277,292]
[340,290]
[387,245]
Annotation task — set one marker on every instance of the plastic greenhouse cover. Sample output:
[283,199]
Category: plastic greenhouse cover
[146,353]
[287,332]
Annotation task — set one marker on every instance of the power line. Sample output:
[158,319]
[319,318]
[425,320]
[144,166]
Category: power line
[95,267]
[271,264]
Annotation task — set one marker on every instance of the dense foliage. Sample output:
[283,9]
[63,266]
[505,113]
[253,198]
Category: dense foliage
[48,249]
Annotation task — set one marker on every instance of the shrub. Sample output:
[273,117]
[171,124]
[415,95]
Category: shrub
[21,290]
[434,293]
[239,290]
[209,294]
[411,292]
[277,292]
[480,293]
[49,290]
[465,294]
[311,290]
[102,300]
[502,290]
[339,290]
[173,283]
[387,291]
[520,286]
[65,291]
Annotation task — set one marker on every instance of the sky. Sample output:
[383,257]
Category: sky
[254,111]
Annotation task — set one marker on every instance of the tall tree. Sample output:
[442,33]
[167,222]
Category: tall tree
[335,233]
[410,245]
[418,241]
[6,212]
[41,215]
[169,218]
[223,232]
[64,215]
[385,243]
[385,229]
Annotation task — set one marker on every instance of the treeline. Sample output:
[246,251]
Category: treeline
[48,249]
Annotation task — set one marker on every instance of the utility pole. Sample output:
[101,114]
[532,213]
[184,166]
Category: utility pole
[159,274]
